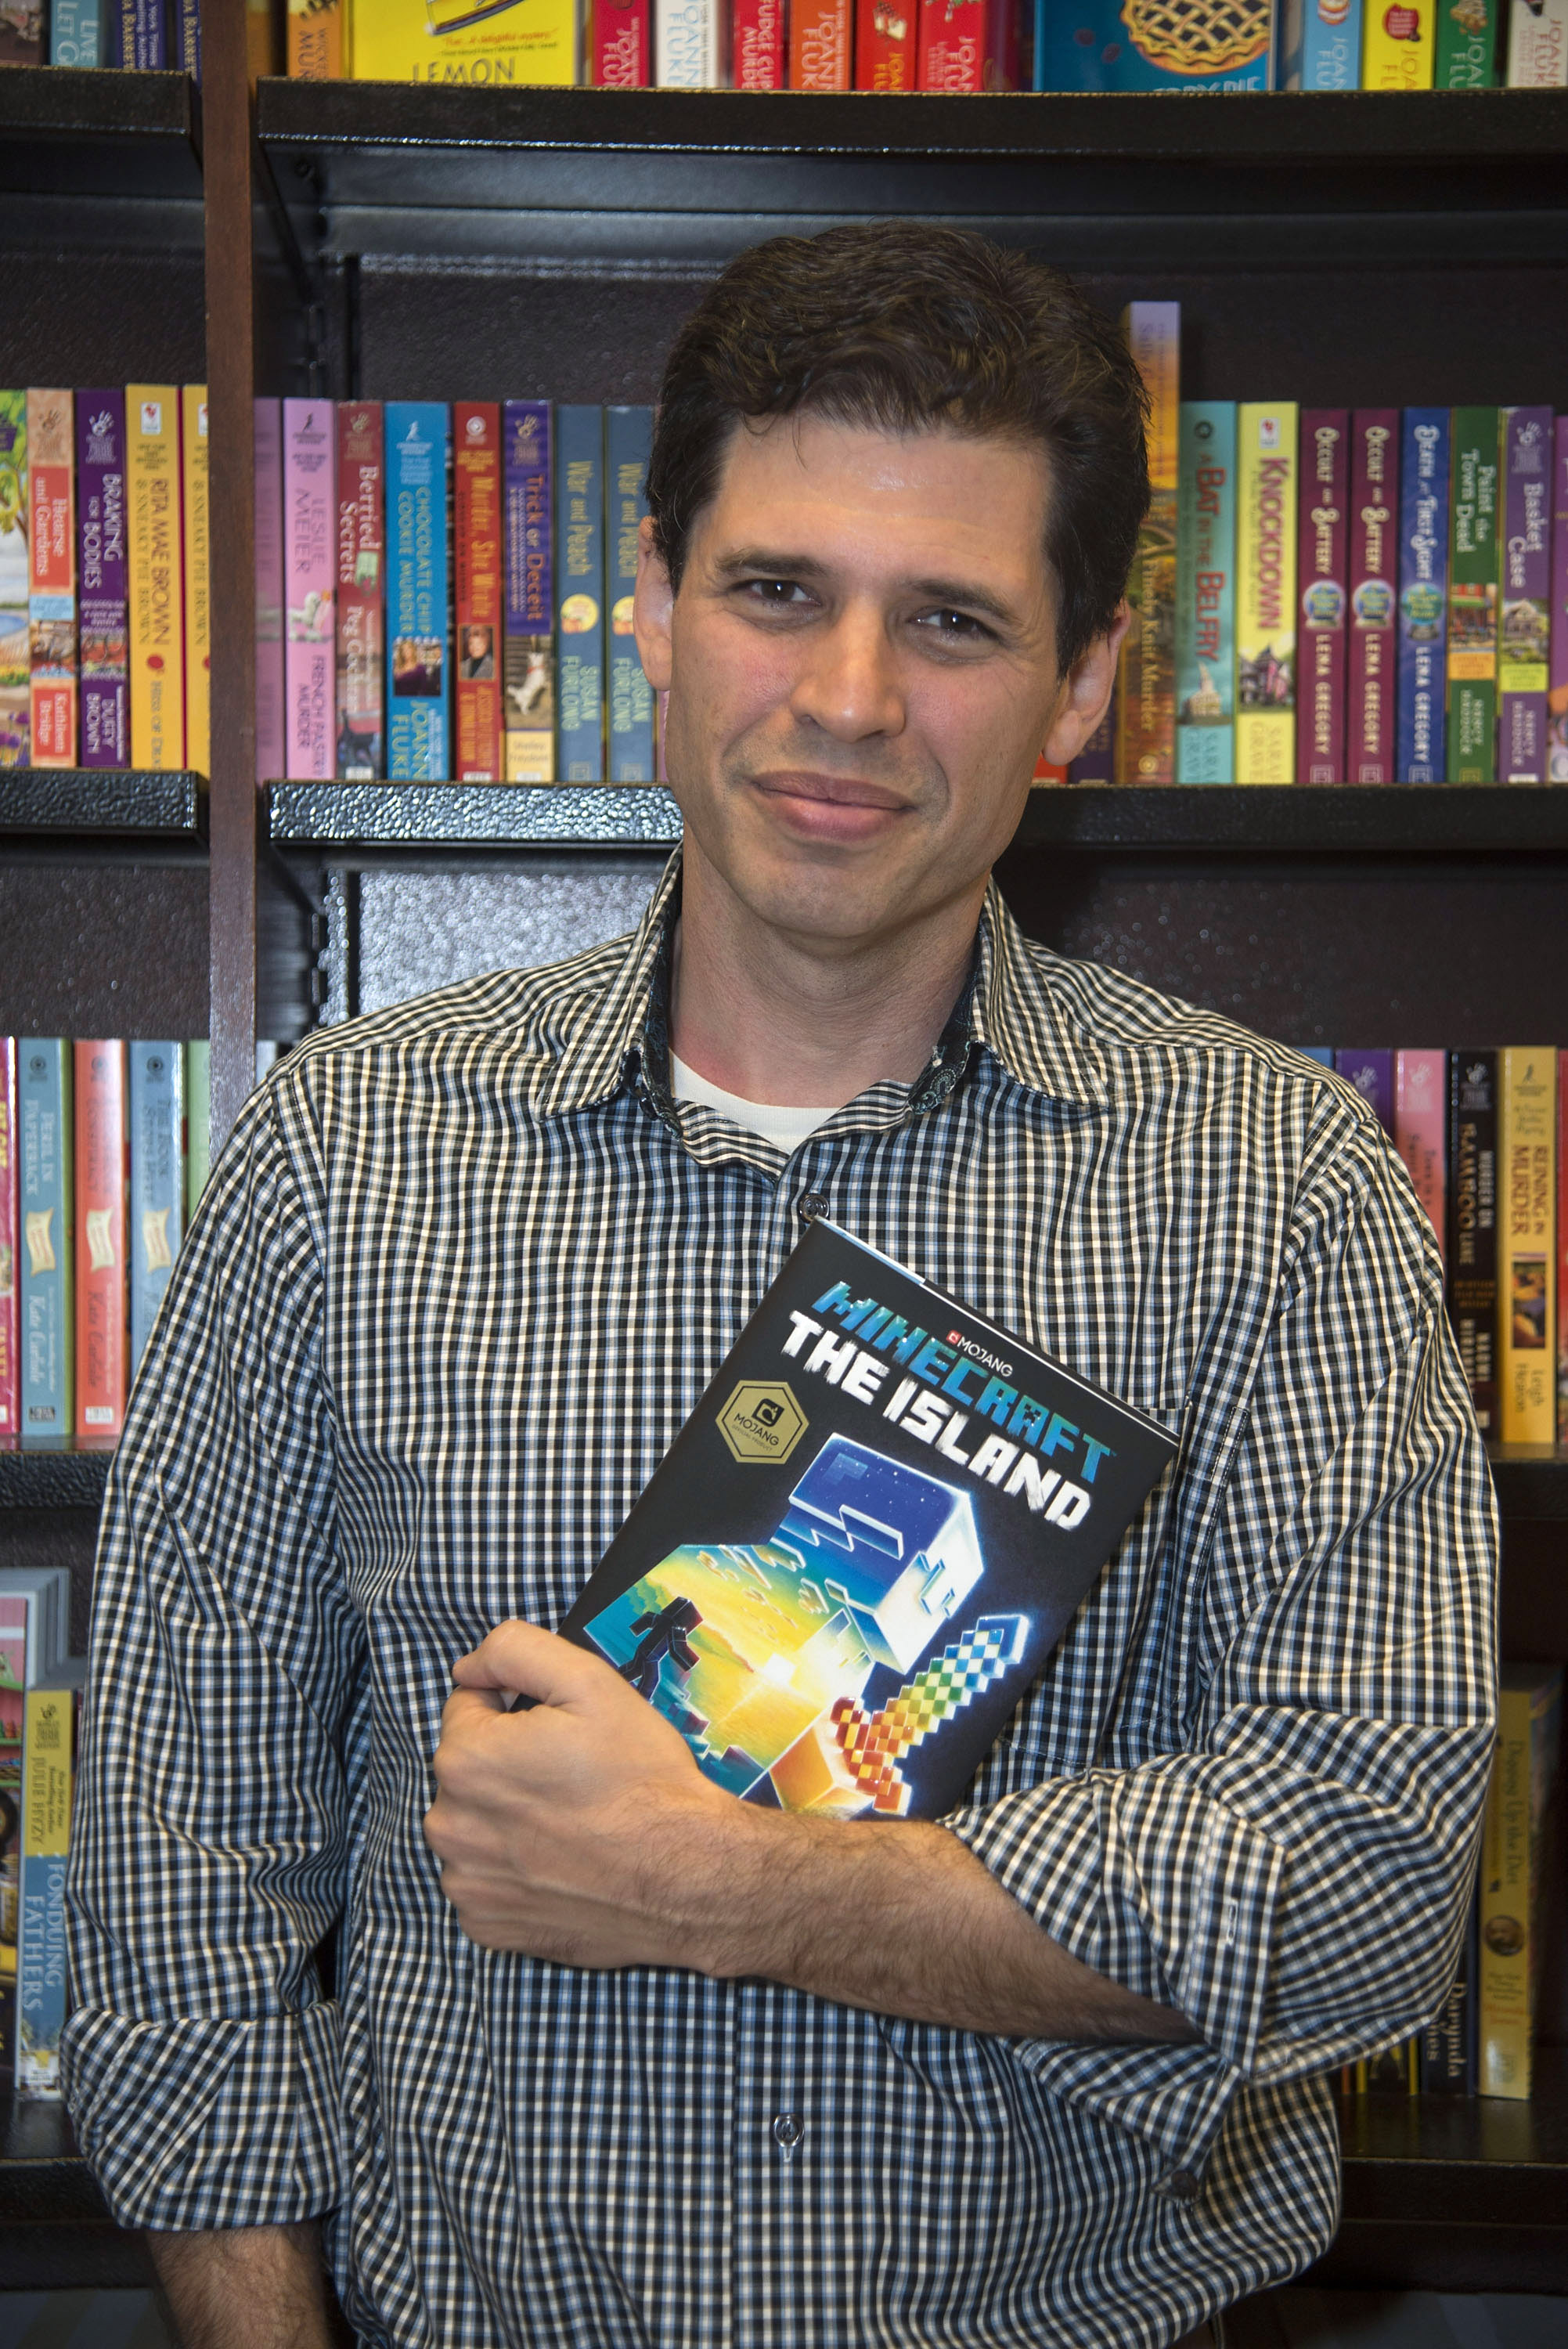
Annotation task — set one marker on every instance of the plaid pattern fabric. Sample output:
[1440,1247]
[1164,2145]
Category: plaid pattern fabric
[461,1273]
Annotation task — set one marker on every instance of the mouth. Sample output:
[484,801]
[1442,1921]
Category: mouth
[846,791]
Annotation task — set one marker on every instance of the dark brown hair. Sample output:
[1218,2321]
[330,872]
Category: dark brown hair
[904,327]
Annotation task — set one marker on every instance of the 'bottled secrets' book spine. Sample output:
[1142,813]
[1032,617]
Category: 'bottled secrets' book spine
[361,750]
[1322,544]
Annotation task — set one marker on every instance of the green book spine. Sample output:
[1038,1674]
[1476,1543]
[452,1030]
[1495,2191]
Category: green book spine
[198,1138]
[1472,599]
[1466,55]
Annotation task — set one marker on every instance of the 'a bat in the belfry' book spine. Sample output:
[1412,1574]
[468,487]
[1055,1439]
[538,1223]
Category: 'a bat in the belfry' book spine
[1206,593]
[689,44]
[52,579]
[1320,44]
[620,36]
[1371,730]
[1472,597]
[271,756]
[361,753]
[1538,43]
[527,653]
[46,1189]
[1524,600]
[629,438]
[1557,685]
[1265,592]
[1322,543]
[156,540]
[580,593]
[1420,1121]
[865,1541]
[1420,738]
[1146,704]
[822,43]
[310,520]
[1465,55]
[884,43]
[14,690]
[1471,1255]
[757,45]
[198,582]
[476,589]
[102,1292]
[483,45]
[157,1180]
[1513,1873]
[1147,44]
[10,1248]
[417,687]
[76,33]
[1397,44]
[1527,1205]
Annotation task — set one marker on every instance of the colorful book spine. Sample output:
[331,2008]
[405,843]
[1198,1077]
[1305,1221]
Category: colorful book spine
[476,589]
[197,1122]
[1513,1874]
[821,44]
[1557,687]
[1206,593]
[1421,1122]
[579,615]
[361,604]
[1420,742]
[272,757]
[76,33]
[964,46]
[1322,538]
[620,55]
[1397,44]
[756,44]
[52,579]
[1472,598]
[1265,582]
[528,652]
[884,45]
[689,44]
[198,581]
[15,692]
[1524,603]
[157,1180]
[1373,691]
[310,515]
[13,1612]
[418,696]
[1106,45]
[1561,1248]
[1321,45]
[628,438]
[1448,2062]
[102,1299]
[316,39]
[143,41]
[1471,1255]
[1465,50]
[1527,1206]
[46,1189]
[155,544]
[485,44]
[1538,43]
[1371,1071]
[48,1772]
[1145,742]
[103,616]
[10,1245]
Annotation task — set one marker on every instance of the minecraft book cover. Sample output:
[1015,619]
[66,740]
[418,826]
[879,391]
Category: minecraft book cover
[866,1540]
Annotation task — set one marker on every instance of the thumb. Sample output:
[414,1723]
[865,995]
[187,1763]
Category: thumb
[528,1660]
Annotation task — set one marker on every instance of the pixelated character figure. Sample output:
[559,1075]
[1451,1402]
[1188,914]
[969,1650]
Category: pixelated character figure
[665,1633]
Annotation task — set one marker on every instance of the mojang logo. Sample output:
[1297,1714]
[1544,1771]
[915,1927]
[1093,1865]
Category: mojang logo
[767,1411]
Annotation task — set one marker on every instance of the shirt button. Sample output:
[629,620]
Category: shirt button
[1180,2184]
[812,1205]
[789,2128]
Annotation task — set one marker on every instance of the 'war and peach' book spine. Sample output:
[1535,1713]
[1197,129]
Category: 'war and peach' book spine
[528,652]
[476,582]
[1322,539]
[1266,598]
[1527,1202]
[1146,740]
[310,519]
[1557,686]
[757,44]
[52,579]
[1472,598]
[821,44]
[1206,593]
[272,759]
[1420,738]
[1524,605]
[1397,43]
[10,1241]
[1370,727]
[103,1297]
[104,728]
[198,582]
[884,43]
[47,1206]
[360,754]
[620,55]
[156,545]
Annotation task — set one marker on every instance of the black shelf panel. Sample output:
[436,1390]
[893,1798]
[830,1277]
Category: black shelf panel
[447,816]
[86,805]
[1461,2161]
[72,133]
[1531,1481]
[53,1480]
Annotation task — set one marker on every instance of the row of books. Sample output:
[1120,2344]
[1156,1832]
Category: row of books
[445,592]
[1333,596]
[104,1149]
[40,1700]
[105,635]
[133,35]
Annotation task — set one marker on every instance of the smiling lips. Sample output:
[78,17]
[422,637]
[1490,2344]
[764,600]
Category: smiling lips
[831,807]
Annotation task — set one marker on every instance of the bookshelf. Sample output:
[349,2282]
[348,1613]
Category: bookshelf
[343,238]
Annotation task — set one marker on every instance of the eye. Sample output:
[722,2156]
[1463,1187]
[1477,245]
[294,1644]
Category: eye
[953,627]
[775,594]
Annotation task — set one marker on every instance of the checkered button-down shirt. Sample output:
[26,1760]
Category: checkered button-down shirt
[462,1271]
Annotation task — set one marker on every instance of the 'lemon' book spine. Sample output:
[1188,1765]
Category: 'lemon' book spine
[1265,592]
[1527,1193]
[155,549]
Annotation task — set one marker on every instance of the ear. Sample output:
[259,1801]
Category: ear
[653,607]
[1086,693]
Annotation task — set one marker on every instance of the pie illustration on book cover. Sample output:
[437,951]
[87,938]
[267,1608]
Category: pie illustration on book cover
[866,1540]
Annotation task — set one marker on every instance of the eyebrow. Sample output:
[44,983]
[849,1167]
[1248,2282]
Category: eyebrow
[770,563]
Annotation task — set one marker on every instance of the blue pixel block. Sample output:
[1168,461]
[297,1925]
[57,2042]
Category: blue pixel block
[899,1550]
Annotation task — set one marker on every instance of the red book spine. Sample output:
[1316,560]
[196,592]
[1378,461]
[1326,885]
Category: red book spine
[968,45]
[885,44]
[10,1240]
[756,44]
[103,1173]
[620,42]
[1373,692]
[475,549]
[1322,552]
[360,750]
[820,40]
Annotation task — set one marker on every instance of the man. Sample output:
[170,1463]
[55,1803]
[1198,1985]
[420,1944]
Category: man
[616,2059]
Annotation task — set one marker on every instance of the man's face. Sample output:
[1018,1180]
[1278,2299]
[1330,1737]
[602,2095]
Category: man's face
[861,670]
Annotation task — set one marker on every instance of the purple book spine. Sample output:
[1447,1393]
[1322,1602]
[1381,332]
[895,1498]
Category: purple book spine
[1095,762]
[1524,607]
[1321,543]
[1557,690]
[271,763]
[100,547]
[1372,1074]
[1373,594]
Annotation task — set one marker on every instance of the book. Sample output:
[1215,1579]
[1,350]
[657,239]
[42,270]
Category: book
[104,730]
[157,1135]
[476,582]
[272,756]
[1397,44]
[1470,1255]
[1323,537]
[528,648]
[51,578]
[1561,1248]
[968,46]
[884,45]
[21,35]
[316,30]
[361,599]
[155,540]
[1527,1207]
[580,589]
[1420,1122]
[197,1122]
[197,582]
[1320,44]
[1524,600]
[51,1716]
[1472,598]
[1206,593]
[102,1289]
[75,32]
[1465,49]
[1265,582]
[1143,45]
[10,1241]
[689,44]
[628,438]
[47,1188]
[15,692]
[620,43]
[1371,1071]
[1557,684]
[144,45]
[188,39]
[1420,732]
[1448,2044]
[865,1541]
[310,518]
[757,47]
[31,1636]
[483,45]
[418,699]
[1146,703]
[1512,1873]
[821,44]
[1537,43]
[1372,651]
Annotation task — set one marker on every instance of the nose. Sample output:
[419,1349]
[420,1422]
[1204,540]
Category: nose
[848,683]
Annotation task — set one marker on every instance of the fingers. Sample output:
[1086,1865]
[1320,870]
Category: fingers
[525,1659]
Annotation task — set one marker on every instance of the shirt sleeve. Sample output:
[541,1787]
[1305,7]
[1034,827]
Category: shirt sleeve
[1294,1878]
[200,2063]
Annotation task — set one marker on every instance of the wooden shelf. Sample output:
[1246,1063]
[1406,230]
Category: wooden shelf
[90,806]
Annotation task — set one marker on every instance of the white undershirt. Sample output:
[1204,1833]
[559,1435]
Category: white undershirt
[788,1128]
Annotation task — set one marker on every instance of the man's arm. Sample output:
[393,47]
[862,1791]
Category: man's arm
[246,2288]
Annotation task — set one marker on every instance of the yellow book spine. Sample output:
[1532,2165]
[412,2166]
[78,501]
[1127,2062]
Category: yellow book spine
[197,593]
[1505,1921]
[402,40]
[1527,1186]
[316,30]
[1265,592]
[154,550]
[1397,43]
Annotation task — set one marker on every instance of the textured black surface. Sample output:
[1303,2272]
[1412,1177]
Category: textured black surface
[50,1480]
[102,948]
[60,1531]
[80,802]
[1416,820]
[90,133]
[471,814]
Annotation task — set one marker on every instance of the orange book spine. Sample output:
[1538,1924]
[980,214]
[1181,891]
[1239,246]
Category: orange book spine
[821,44]
[52,577]
[316,39]
[476,550]
[102,1177]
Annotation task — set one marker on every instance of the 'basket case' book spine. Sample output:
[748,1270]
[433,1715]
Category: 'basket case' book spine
[1524,604]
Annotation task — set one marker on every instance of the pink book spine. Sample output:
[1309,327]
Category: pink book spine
[310,517]
[619,41]
[271,759]
[1421,1127]
[10,1274]
[1324,473]
[756,44]
[1373,594]
[1557,673]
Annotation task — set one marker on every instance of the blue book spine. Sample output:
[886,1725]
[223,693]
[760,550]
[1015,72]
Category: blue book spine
[157,1180]
[1320,44]
[580,585]
[1322,1054]
[419,687]
[628,439]
[44,1096]
[1206,591]
[1420,745]
[1101,44]
[143,30]
[190,38]
[76,33]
